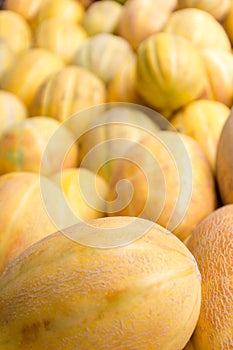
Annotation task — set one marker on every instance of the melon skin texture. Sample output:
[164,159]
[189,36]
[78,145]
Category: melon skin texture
[212,245]
[145,295]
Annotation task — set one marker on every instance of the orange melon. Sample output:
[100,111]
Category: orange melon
[138,296]
[212,245]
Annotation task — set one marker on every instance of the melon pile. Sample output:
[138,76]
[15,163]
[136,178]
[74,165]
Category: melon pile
[116,175]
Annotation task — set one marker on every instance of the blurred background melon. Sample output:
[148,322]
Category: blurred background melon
[39,144]
[224,162]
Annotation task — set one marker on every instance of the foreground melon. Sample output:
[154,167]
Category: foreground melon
[212,245]
[62,295]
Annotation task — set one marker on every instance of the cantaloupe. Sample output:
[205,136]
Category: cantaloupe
[212,245]
[65,295]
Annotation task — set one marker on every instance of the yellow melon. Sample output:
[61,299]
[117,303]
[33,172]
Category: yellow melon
[198,26]
[67,295]
[61,37]
[217,8]
[164,77]
[15,30]
[203,120]
[29,71]
[141,18]
[13,110]
[39,144]
[84,191]
[102,16]
[67,92]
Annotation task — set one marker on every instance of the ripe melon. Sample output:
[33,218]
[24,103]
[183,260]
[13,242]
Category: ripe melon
[63,295]
[67,92]
[15,30]
[13,110]
[84,191]
[198,26]
[224,162]
[38,144]
[61,37]
[29,71]
[164,178]
[23,217]
[164,78]
[203,120]
[217,8]
[139,19]
[212,245]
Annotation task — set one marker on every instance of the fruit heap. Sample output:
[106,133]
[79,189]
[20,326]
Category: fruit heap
[116,175]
